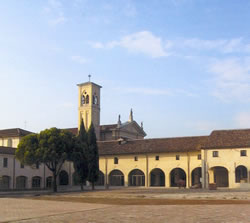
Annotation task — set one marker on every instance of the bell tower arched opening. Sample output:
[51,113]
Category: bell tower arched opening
[89,105]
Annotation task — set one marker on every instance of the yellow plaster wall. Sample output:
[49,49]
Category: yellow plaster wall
[15,141]
[229,158]
[167,162]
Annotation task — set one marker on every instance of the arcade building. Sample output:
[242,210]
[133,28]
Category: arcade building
[127,159]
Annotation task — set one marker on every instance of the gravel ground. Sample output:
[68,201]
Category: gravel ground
[186,206]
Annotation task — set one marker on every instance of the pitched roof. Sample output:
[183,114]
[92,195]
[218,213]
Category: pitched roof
[16,132]
[235,138]
[135,124]
[160,145]
[7,150]
[87,83]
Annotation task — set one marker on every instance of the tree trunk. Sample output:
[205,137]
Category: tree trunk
[54,182]
[93,185]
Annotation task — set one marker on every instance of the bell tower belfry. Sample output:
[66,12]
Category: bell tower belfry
[89,105]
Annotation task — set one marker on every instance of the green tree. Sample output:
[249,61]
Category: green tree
[51,147]
[79,155]
[93,157]
[26,151]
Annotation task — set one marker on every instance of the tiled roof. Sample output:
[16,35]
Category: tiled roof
[14,132]
[87,83]
[7,150]
[235,138]
[161,145]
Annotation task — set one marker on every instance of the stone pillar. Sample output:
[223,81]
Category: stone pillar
[211,176]
[167,179]
[106,178]
[231,177]
[204,175]
[125,179]
[147,177]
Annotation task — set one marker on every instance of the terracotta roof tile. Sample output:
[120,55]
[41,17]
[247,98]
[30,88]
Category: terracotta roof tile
[235,138]
[14,132]
[7,150]
[161,145]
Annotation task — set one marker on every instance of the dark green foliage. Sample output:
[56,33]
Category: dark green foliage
[93,156]
[79,156]
[26,151]
[82,136]
[51,147]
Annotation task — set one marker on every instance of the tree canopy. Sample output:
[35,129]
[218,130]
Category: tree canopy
[79,157]
[51,147]
[93,156]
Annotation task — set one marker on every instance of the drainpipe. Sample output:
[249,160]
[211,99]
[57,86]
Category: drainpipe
[188,166]
[106,173]
[147,183]
[14,172]
[44,179]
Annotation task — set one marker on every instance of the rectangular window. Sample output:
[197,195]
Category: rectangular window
[115,160]
[157,157]
[243,153]
[37,165]
[199,157]
[215,154]
[177,157]
[21,166]
[5,162]
[136,158]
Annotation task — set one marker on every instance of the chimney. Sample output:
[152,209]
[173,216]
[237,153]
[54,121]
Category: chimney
[119,121]
[131,119]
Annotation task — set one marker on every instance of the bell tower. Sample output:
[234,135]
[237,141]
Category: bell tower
[89,105]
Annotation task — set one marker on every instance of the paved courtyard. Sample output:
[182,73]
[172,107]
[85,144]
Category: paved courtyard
[72,207]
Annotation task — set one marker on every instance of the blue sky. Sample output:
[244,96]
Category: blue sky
[182,65]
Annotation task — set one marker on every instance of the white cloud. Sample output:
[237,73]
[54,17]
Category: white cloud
[58,20]
[156,91]
[200,44]
[242,119]
[232,79]
[79,59]
[147,43]
[224,46]
[97,45]
[130,9]
[233,45]
[54,11]
[144,42]
[141,42]
[148,91]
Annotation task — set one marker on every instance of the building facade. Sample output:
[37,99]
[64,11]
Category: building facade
[127,159]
